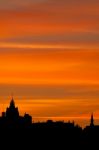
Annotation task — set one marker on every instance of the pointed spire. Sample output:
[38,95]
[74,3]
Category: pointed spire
[92,120]
[12,103]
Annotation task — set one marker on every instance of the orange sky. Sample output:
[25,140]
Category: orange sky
[49,57]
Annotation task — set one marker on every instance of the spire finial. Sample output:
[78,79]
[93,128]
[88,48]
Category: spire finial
[12,96]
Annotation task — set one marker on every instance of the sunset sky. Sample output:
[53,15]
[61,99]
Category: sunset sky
[49,58]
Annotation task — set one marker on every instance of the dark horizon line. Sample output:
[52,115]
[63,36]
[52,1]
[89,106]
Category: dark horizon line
[12,112]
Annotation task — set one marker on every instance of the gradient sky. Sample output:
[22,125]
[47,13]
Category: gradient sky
[49,58]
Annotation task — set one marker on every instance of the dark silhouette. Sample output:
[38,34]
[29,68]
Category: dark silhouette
[12,112]
[24,134]
[92,120]
[11,117]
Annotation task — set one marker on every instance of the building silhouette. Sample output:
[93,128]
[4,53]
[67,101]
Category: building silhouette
[18,129]
[12,111]
[12,118]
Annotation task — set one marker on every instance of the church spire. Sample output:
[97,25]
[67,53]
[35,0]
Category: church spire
[12,103]
[92,120]
[12,111]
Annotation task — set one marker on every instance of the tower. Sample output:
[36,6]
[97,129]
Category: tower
[12,112]
[92,120]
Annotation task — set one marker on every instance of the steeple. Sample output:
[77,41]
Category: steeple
[92,120]
[12,111]
[12,103]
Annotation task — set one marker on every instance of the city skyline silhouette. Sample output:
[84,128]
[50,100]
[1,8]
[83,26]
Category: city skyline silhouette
[83,121]
[67,134]
[13,112]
